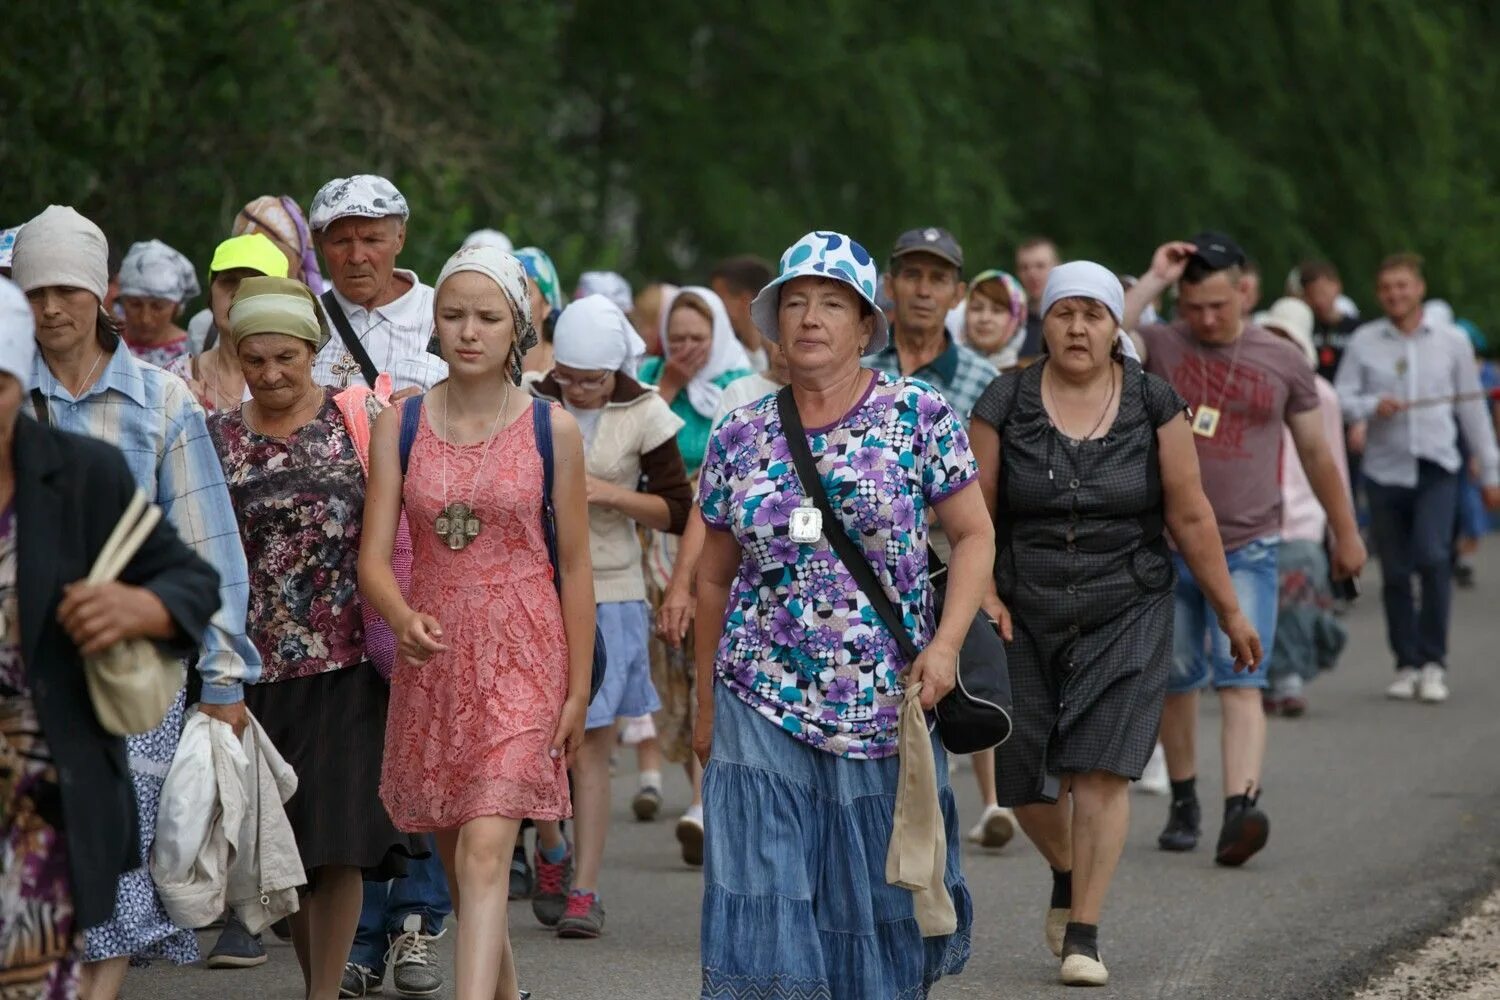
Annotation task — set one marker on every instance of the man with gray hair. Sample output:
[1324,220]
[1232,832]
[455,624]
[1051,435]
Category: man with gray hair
[382,314]
[383,318]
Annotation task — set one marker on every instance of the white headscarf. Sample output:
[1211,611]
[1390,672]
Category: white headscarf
[17,333]
[505,271]
[593,334]
[153,270]
[489,238]
[61,247]
[726,355]
[608,284]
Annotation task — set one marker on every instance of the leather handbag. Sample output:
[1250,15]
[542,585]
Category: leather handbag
[132,684]
[975,715]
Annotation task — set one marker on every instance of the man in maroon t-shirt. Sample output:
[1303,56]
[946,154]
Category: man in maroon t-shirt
[1243,383]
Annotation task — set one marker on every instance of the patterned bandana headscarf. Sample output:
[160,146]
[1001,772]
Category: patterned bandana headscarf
[7,244]
[1013,291]
[506,271]
[282,221]
[153,270]
[541,269]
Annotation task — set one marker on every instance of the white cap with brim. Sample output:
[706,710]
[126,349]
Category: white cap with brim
[17,333]
[822,254]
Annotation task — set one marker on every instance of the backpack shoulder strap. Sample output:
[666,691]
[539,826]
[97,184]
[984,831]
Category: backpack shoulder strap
[541,424]
[411,414]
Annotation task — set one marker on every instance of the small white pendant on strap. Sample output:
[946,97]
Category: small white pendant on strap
[807,523]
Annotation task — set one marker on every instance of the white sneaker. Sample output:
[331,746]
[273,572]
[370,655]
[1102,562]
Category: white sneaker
[1432,688]
[994,829]
[1154,779]
[1404,688]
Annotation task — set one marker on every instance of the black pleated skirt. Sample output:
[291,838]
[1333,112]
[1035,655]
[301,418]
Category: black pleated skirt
[331,729]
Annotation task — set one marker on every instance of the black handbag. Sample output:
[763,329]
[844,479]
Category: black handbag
[975,715]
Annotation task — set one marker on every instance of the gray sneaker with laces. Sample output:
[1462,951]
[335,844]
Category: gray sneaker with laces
[413,961]
[359,981]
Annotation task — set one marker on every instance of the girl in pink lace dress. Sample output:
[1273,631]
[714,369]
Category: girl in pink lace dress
[490,690]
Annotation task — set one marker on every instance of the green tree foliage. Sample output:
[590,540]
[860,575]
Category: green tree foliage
[655,138]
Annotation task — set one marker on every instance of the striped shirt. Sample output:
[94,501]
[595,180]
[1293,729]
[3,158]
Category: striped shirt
[152,418]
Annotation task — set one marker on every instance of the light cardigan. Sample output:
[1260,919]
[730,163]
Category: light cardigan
[636,437]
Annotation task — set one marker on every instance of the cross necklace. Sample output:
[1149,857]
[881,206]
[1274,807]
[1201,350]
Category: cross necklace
[458,523]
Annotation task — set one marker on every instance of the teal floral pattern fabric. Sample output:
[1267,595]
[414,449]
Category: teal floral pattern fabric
[801,644]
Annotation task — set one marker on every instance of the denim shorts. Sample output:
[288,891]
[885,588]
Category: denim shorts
[627,690]
[1200,649]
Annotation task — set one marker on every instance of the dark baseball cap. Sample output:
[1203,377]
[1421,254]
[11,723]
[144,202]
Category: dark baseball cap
[933,240]
[1217,251]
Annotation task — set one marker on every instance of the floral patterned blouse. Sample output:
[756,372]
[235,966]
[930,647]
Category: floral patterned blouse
[173,356]
[802,645]
[299,502]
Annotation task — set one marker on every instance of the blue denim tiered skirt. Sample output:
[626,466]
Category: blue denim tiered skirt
[795,902]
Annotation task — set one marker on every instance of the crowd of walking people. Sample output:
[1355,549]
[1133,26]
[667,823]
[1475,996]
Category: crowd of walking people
[438,557]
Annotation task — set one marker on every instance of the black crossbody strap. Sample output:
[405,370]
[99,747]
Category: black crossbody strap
[39,404]
[351,342]
[833,525]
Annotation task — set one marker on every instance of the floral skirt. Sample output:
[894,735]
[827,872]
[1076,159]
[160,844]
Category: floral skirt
[795,901]
[1309,637]
[39,946]
[140,927]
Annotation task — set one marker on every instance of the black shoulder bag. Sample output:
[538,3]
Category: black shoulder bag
[351,342]
[975,715]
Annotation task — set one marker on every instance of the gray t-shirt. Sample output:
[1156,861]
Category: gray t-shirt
[1255,391]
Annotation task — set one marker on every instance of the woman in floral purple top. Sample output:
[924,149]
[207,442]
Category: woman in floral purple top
[800,692]
[298,489]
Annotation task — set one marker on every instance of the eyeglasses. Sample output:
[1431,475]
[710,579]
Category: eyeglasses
[569,382]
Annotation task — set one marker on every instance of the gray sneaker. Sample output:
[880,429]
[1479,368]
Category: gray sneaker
[414,965]
[585,917]
[237,948]
[359,981]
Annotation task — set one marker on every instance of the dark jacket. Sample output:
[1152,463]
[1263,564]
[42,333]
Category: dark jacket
[70,492]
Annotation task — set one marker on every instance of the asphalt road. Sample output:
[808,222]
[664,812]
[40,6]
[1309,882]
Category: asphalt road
[1385,825]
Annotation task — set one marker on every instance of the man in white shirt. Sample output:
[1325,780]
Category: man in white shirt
[381,315]
[382,320]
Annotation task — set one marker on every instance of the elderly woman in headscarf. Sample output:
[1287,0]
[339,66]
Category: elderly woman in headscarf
[635,477]
[281,220]
[802,690]
[218,381]
[701,357]
[68,827]
[298,489]
[1086,460]
[544,288]
[83,382]
[155,282]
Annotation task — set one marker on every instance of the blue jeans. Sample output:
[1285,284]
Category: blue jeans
[1413,532]
[1200,649]
[387,904]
